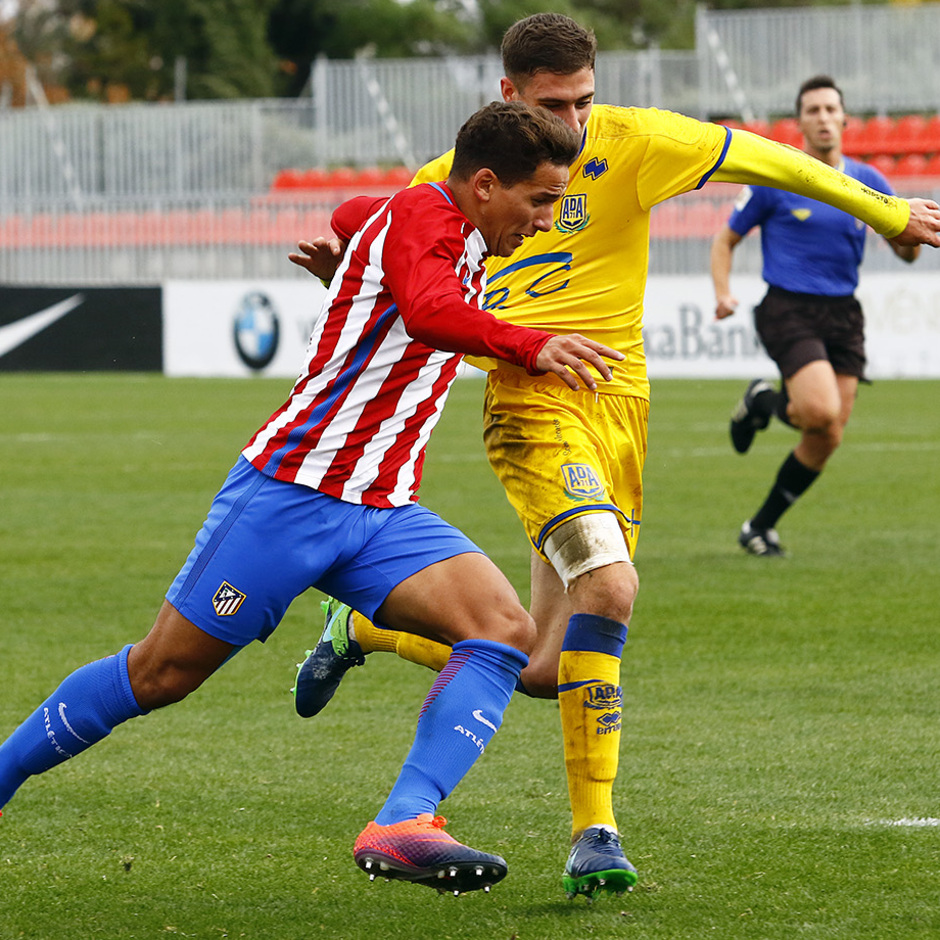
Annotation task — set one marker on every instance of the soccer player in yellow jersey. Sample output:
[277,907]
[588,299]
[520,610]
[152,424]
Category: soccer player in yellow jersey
[571,462]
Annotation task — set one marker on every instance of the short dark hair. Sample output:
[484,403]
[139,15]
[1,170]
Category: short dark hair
[546,42]
[512,140]
[811,84]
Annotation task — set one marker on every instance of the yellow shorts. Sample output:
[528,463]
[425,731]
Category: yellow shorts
[560,453]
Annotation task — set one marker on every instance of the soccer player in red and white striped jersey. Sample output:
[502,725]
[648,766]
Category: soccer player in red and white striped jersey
[324,494]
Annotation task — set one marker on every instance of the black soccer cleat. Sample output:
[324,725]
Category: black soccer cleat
[746,419]
[762,542]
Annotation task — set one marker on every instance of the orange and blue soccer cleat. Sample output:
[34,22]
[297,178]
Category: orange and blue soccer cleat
[597,863]
[418,850]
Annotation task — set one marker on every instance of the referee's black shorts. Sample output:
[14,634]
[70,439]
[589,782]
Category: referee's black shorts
[797,329]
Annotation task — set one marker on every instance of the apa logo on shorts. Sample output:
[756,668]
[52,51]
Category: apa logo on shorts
[573,215]
[582,482]
[227,600]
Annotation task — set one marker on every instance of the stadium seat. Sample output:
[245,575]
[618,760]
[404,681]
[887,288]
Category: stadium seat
[314,178]
[874,136]
[398,177]
[852,136]
[883,162]
[288,179]
[787,131]
[930,137]
[341,178]
[932,166]
[370,177]
[906,137]
[911,164]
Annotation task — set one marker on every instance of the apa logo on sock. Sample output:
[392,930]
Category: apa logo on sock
[604,696]
[227,600]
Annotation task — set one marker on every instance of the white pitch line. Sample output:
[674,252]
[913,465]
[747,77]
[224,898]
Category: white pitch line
[912,822]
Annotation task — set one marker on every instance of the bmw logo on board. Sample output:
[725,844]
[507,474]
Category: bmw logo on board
[257,330]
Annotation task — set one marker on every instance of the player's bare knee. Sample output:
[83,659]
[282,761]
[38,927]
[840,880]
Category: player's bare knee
[516,629]
[608,592]
[156,685]
[818,418]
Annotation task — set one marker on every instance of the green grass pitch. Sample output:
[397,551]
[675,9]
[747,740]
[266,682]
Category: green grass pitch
[781,717]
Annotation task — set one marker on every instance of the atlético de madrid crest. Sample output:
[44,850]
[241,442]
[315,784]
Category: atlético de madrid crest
[573,215]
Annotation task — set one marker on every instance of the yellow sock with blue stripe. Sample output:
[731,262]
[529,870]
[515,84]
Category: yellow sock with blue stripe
[590,699]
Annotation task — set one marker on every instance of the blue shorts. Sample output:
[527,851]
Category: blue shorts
[266,541]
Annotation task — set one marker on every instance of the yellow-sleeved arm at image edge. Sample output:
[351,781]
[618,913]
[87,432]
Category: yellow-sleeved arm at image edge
[756,161]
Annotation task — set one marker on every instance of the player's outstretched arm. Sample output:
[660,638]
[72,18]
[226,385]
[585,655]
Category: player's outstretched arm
[320,256]
[753,159]
[568,357]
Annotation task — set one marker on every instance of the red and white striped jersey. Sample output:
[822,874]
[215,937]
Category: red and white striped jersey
[402,308]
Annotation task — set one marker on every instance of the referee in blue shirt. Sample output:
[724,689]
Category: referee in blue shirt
[809,321]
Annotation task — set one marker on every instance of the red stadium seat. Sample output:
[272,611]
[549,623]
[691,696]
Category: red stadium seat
[911,164]
[932,166]
[883,162]
[341,178]
[787,131]
[930,137]
[288,179]
[398,177]
[907,135]
[369,177]
[314,178]
[875,134]
[852,136]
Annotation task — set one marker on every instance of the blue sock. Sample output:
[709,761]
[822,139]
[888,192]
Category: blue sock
[82,710]
[459,717]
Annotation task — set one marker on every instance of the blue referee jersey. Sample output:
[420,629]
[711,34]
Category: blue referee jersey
[808,247]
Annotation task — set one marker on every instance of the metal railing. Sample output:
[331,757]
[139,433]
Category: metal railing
[140,192]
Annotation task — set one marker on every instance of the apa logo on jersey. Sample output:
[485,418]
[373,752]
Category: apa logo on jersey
[604,696]
[801,214]
[257,330]
[582,482]
[573,215]
[227,600]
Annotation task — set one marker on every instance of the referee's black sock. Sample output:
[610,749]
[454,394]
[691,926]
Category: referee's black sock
[772,402]
[781,400]
[793,480]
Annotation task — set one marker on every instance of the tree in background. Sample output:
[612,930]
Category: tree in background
[301,30]
[117,50]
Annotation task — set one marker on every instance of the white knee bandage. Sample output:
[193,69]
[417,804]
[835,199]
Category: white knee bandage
[584,543]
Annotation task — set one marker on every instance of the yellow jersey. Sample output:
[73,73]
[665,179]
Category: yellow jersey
[588,274]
